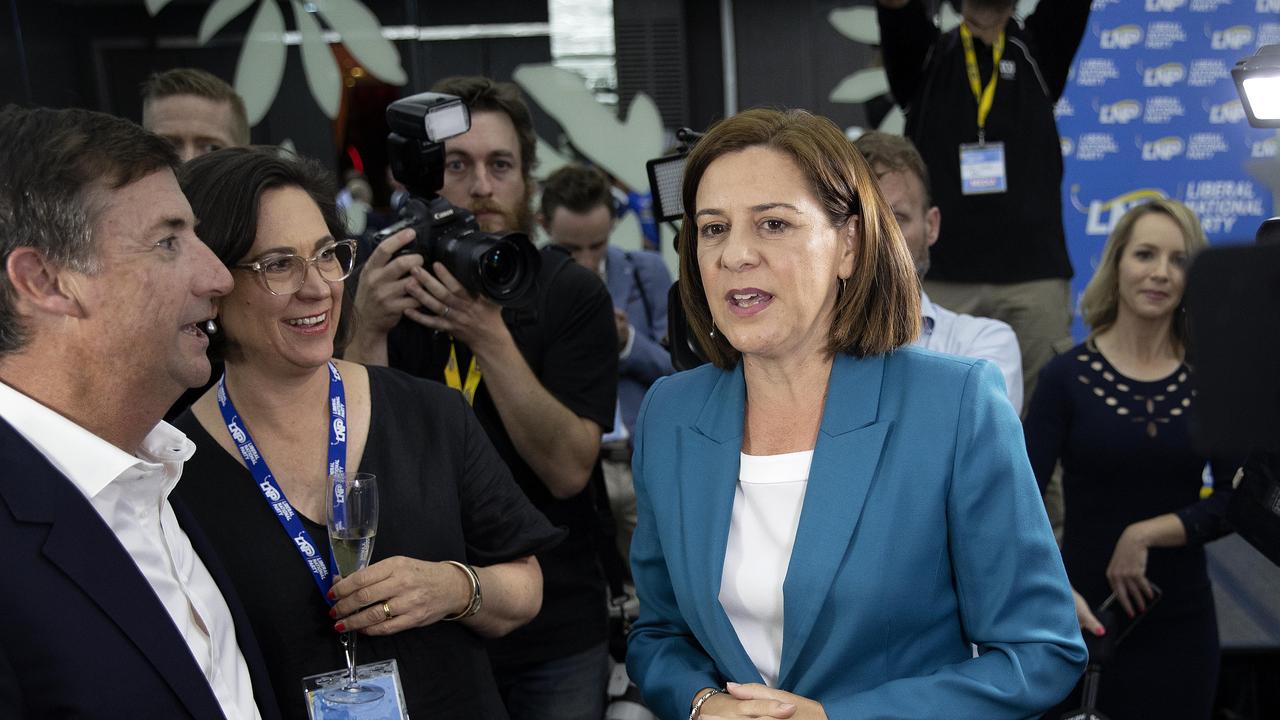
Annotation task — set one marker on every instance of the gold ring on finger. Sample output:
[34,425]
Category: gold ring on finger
[386,611]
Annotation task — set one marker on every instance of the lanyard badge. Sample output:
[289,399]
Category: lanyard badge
[982,166]
[322,571]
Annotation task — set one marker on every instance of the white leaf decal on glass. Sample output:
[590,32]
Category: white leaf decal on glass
[218,15]
[621,148]
[155,6]
[861,86]
[317,60]
[261,64]
[362,35]
[550,160]
[895,122]
[859,24]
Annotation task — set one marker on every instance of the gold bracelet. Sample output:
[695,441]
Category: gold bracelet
[477,597]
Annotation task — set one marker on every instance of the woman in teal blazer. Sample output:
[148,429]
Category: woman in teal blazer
[921,578]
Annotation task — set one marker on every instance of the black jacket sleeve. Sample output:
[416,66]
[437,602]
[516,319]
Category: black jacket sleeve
[1045,426]
[1055,29]
[906,36]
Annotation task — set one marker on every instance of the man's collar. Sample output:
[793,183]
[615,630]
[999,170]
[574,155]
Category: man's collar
[928,314]
[87,460]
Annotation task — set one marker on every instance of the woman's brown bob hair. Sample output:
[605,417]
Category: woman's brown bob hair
[225,190]
[878,310]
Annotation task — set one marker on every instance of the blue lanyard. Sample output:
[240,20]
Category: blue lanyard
[285,513]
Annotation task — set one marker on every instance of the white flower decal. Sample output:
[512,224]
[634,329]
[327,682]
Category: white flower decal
[260,68]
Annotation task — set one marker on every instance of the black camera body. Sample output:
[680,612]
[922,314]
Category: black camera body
[503,268]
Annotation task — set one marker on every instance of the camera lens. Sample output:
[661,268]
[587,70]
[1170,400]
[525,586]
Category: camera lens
[499,267]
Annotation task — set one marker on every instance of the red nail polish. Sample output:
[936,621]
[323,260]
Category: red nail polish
[332,596]
[1100,632]
[333,613]
[340,627]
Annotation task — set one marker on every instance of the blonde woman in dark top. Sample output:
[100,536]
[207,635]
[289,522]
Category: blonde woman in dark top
[1114,411]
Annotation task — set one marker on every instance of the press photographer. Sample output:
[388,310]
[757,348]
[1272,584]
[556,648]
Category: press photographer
[542,378]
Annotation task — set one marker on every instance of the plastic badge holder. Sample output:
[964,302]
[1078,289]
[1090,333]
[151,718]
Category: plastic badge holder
[384,674]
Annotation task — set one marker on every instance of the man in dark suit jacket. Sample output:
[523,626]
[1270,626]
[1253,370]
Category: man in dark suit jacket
[577,214]
[112,597]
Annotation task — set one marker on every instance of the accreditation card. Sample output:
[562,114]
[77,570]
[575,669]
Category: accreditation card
[384,674]
[982,169]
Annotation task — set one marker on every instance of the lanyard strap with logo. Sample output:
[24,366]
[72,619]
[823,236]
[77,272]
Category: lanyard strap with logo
[985,96]
[982,166]
[453,379]
[288,517]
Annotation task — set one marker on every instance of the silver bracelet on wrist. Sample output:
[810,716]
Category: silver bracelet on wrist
[696,711]
[477,597]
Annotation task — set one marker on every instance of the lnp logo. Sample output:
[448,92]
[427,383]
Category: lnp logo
[222,394]
[1228,113]
[1104,214]
[1164,5]
[1268,148]
[307,548]
[1120,38]
[236,433]
[338,408]
[1166,148]
[339,430]
[1166,75]
[1120,112]
[1233,38]
[269,490]
[339,493]
[335,468]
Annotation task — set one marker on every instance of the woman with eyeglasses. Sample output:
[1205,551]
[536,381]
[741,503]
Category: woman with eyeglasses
[453,560]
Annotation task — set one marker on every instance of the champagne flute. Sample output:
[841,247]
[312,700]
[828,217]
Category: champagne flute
[353,524]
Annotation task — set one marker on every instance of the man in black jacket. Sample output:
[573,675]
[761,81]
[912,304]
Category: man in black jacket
[118,604]
[979,105]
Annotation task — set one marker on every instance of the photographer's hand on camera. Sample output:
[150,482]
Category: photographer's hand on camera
[383,294]
[473,320]
[560,446]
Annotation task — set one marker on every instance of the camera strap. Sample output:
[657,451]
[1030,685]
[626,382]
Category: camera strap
[270,489]
[454,380]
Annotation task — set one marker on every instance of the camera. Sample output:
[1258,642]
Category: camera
[503,268]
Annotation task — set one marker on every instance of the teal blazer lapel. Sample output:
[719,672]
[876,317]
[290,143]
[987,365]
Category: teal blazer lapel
[708,472]
[843,468]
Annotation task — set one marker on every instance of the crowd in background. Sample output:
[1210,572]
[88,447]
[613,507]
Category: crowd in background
[849,510]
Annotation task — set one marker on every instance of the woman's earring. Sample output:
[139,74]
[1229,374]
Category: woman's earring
[713,330]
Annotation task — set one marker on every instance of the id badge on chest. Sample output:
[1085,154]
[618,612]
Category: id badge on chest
[982,170]
[384,675]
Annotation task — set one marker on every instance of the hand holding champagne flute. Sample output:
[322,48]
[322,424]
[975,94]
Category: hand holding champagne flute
[353,525]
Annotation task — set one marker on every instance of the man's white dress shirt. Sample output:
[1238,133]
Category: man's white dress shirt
[131,493]
[974,337]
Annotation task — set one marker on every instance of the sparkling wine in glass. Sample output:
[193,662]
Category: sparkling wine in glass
[353,525]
